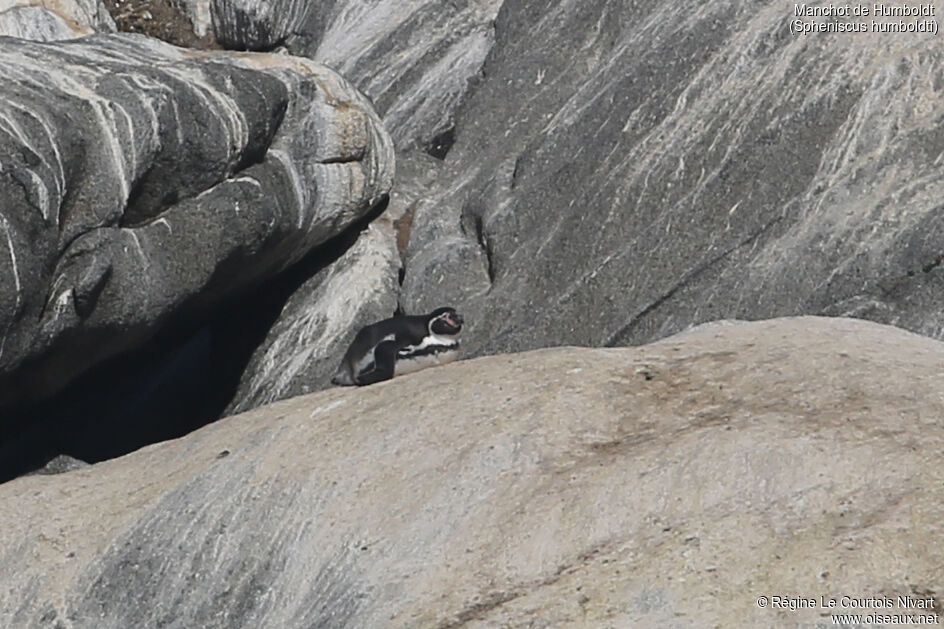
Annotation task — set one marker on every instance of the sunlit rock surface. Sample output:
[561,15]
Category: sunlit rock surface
[624,170]
[415,59]
[667,485]
[50,20]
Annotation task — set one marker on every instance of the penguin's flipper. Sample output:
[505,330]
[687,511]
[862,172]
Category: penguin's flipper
[385,355]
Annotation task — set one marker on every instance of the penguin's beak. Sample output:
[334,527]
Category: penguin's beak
[456,320]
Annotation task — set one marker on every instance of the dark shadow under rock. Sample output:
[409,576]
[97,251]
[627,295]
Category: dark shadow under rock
[184,378]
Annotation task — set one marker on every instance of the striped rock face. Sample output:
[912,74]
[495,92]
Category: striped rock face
[136,178]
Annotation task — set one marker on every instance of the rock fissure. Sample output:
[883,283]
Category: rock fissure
[615,337]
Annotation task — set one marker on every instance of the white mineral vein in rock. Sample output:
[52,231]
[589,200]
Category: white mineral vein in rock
[9,124]
[301,191]
[220,105]
[16,280]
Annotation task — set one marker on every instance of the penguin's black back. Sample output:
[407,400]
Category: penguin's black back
[406,329]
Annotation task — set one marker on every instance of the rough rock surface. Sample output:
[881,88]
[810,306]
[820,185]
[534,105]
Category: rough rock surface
[665,485]
[142,182]
[626,169]
[303,347]
[256,24]
[61,464]
[319,319]
[415,59]
[200,16]
[179,22]
[50,20]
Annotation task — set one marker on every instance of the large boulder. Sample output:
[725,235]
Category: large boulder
[145,183]
[415,59]
[51,20]
[667,485]
[624,170]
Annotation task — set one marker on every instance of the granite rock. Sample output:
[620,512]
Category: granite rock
[51,20]
[415,59]
[667,485]
[201,17]
[625,170]
[256,24]
[143,183]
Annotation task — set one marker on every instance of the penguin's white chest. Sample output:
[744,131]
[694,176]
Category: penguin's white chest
[409,363]
[432,351]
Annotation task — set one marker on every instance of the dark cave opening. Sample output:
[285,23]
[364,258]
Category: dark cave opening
[180,380]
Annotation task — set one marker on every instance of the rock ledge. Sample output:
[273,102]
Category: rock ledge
[667,484]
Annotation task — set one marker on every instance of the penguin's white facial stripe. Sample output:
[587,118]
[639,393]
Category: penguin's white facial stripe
[448,320]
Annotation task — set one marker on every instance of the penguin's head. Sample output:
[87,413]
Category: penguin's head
[445,321]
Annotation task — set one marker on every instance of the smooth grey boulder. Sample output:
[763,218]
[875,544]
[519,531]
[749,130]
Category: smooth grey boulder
[415,59]
[668,485]
[142,183]
[624,170]
[51,20]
